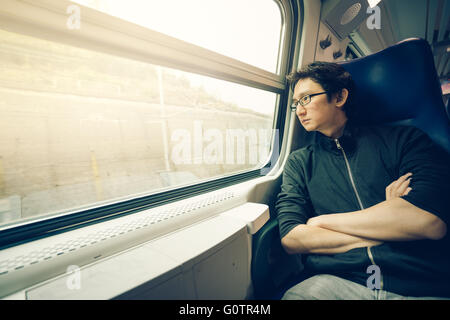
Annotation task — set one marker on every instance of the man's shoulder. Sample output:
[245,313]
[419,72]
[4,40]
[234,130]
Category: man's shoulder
[402,138]
[392,132]
[386,128]
[302,152]
[299,158]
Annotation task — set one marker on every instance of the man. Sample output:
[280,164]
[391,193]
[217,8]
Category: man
[367,207]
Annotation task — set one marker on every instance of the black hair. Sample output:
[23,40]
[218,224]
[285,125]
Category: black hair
[331,76]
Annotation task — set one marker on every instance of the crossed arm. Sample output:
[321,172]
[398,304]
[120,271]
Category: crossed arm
[394,219]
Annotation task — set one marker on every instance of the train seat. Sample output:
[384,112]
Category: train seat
[447,107]
[399,85]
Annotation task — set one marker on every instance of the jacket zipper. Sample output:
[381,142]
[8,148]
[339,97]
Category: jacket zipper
[349,173]
[369,252]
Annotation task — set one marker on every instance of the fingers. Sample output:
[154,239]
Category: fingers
[407,191]
[401,180]
[399,187]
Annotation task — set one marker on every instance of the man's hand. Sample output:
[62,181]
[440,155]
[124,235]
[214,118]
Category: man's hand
[399,187]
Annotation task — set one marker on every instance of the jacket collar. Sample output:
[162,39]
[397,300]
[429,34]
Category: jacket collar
[347,141]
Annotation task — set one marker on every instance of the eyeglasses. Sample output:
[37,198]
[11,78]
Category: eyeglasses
[304,100]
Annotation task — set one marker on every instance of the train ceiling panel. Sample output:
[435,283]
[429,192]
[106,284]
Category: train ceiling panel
[400,19]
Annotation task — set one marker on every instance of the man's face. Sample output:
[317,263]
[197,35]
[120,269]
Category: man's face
[319,114]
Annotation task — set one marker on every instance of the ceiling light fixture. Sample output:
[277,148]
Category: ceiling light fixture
[350,13]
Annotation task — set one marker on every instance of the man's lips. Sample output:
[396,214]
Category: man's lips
[304,120]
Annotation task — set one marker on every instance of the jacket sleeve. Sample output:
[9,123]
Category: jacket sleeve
[430,167]
[293,205]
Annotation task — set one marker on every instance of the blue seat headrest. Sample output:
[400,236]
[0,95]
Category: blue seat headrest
[399,85]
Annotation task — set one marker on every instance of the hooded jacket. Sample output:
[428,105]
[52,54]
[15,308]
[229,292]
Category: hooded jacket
[351,173]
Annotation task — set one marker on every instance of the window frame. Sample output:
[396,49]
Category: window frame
[111,35]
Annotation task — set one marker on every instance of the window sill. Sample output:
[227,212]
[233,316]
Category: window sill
[164,268]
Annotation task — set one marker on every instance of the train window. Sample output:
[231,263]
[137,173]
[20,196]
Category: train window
[141,117]
[80,127]
[232,27]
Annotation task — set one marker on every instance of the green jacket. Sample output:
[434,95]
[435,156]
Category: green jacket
[316,181]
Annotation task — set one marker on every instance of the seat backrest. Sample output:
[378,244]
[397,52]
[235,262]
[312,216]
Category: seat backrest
[399,86]
[447,107]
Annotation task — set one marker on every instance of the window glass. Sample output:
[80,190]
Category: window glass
[247,30]
[79,128]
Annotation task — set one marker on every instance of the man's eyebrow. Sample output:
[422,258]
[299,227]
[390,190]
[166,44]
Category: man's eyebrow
[302,94]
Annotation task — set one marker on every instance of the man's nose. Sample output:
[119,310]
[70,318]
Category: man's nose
[300,110]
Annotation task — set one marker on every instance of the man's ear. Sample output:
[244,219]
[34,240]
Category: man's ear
[341,97]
